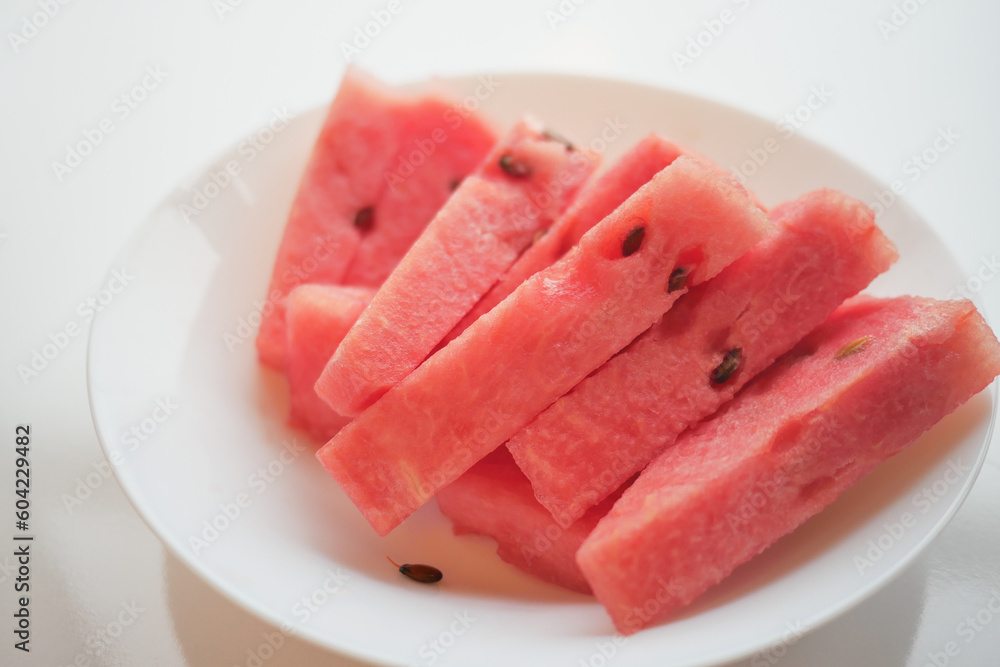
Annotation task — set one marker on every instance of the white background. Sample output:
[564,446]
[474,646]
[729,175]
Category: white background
[225,72]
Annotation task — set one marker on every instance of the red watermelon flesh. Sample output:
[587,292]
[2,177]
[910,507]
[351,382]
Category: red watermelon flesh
[856,391]
[556,328]
[523,186]
[317,319]
[352,219]
[596,201]
[494,498]
[611,425]
[437,152]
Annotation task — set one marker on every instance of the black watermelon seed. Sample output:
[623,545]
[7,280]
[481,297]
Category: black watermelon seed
[424,574]
[633,241]
[678,278]
[365,218]
[514,167]
[730,363]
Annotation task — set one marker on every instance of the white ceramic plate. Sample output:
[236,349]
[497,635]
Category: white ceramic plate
[195,431]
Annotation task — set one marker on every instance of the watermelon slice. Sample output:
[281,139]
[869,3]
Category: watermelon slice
[526,183]
[494,498]
[586,444]
[557,327]
[852,394]
[596,201]
[355,215]
[317,317]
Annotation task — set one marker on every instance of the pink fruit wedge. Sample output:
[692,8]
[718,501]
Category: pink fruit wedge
[856,391]
[524,185]
[557,327]
[586,444]
[317,319]
[494,498]
[596,201]
[382,166]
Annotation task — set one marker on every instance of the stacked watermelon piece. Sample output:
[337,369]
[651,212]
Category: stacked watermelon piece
[382,167]
[585,445]
[596,368]
[362,202]
[492,218]
[858,389]
[495,499]
[317,317]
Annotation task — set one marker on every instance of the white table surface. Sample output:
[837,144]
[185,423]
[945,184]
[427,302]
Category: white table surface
[221,74]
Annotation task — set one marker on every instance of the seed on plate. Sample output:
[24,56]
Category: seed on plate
[514,167]
[633,240]
[678,278]
[729,364]
[424,574]
[364,218]
[853,347]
